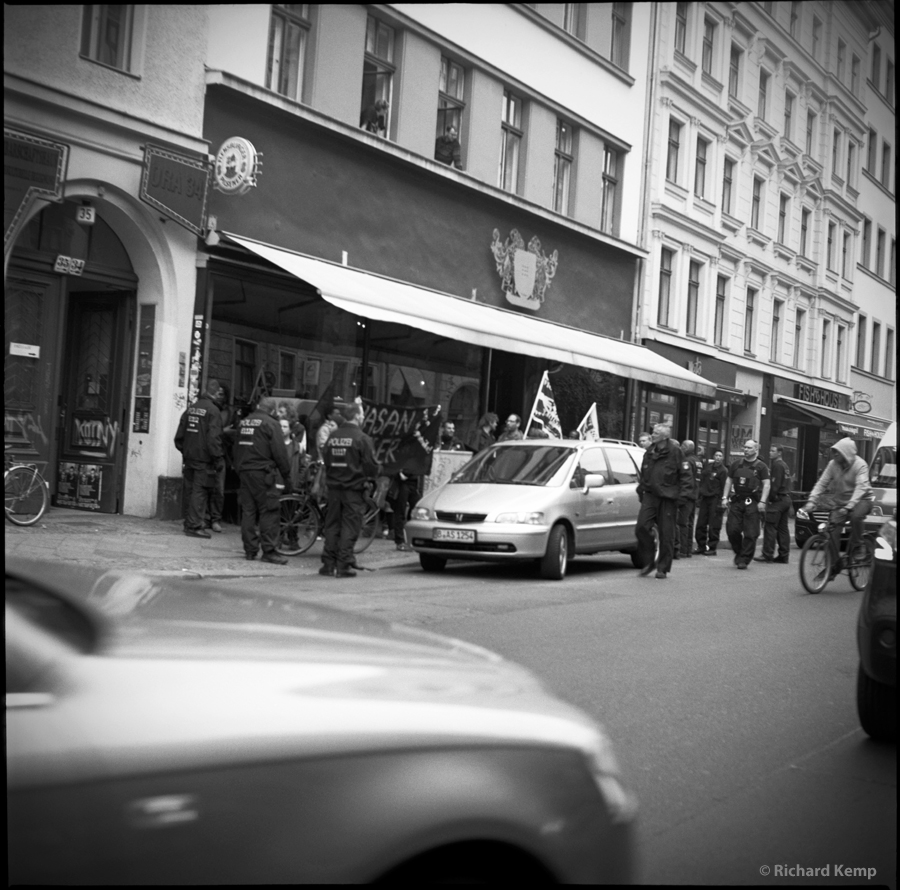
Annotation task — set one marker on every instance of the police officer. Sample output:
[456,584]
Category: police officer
[199,439]
[776,529]
[687,507]
[665,479]
[709,505]
[259,455]
[746,491]
[349,457]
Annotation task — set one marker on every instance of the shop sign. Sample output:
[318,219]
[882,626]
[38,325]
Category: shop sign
[861,402]
[177,186]
[815,396]
[33,167]
[237,166]
[525,273]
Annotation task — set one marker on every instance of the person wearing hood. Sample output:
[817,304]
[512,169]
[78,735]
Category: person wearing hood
[746,492]
[844,489]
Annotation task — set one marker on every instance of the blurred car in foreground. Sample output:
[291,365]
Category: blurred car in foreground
[541,499]
[174,732]
[876,637]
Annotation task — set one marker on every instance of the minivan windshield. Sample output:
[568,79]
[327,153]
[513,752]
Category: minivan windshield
[531,464]
[883,472]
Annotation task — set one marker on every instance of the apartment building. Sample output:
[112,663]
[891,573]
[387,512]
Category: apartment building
[757,206]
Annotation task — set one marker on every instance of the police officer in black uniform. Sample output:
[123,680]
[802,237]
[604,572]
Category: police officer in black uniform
[746,491]
[258,453]
[665,479]
[349,457]
[709,506]
[687,507]
[199,439]
[775,530]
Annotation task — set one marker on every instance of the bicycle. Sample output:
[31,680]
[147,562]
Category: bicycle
[821,561]
[26,494]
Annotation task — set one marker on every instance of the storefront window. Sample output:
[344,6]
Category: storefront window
[658,407]
[712,427]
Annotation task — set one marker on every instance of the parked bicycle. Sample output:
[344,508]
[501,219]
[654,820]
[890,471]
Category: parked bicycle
[26,494]
[303,518]
[821,561]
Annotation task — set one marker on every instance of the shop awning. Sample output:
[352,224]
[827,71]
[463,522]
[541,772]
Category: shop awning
[387,299]
[857,426]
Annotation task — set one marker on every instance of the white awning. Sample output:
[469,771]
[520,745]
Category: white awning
[386,299]
[857,426]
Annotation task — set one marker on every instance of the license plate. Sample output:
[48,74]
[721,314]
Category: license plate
[467,536]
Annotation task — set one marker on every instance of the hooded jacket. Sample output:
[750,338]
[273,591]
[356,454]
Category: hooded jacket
[838,487]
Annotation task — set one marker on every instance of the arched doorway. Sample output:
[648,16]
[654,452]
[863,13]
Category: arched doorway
[69,318]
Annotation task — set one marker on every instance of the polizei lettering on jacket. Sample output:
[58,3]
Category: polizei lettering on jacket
[248,428]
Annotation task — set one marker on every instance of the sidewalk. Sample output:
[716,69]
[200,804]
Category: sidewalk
[160,547]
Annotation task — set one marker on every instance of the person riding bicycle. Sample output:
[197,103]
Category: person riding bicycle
[844,490]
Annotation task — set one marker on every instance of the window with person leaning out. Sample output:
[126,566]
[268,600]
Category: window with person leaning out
[447,149]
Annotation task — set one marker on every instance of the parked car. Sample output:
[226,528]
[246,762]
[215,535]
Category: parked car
[176,732]
[883,478]
[876,636]
[542,499]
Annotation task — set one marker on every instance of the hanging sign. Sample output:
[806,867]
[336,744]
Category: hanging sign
[176,185]
[237,166]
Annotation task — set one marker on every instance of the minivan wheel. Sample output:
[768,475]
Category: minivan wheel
[553,564]
[876,704]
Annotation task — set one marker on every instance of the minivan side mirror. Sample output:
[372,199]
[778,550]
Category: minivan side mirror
[593,480]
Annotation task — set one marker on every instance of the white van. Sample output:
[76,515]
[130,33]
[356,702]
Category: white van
[883,478]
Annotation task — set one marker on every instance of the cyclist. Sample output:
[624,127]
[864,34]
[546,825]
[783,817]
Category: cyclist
[844,489]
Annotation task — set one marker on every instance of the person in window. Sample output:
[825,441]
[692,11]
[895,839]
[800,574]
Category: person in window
[374,118]
[447,149]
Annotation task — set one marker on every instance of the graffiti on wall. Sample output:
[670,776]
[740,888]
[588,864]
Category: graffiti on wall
[96,434]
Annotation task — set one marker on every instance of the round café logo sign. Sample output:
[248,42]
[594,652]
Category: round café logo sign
[236,166]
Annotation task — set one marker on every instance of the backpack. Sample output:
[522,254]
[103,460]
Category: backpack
[745,479]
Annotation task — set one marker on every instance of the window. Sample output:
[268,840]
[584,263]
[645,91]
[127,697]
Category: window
[854,76]
[574,19]
[106,35]
[875,355]
[876,66]
[784,203]
[709,34]
[880,241]
[763,94]
[810,133]
[845,255]
[866,242]
[839,353]
[889,84]
[889,354]
[816,38]
[287,371]
[851,161]
[886,165]
[799,339]
[510,142]
[674,147]
[621,34]
[244,370]
[700,168]
[665,287]
[562,167]
[825,370]
[841,60]
[892,263]
[872,151]
[727,183]
[756,203]
[680,26]
[610,208]
[378,74]
[719,320]
[832,231]
[288,31]
[775,340]
[451,95]
[795,20]
[804,232]
[749,311]
[836,153]
[861,341]
[693,297]
[734,72]
[788,114]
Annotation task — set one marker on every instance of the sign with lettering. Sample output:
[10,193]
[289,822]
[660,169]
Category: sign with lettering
[443,465]
[816,396]
[177,186]
[33,167]
[404,436]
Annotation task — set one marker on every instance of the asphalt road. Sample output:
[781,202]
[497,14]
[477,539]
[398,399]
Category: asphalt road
[729,696]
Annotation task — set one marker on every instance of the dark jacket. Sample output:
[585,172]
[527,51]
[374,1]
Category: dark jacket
[747,477]
[666,472]
[781,480]
[480,439]
[199,435]
[260,445]
[349,457]
[712,480]
[696,469]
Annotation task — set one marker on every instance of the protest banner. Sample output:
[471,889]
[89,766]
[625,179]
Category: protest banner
[544,418]
[404,435]
[589,428]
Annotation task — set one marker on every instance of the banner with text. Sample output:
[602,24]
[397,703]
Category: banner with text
[404,436]
[544,418]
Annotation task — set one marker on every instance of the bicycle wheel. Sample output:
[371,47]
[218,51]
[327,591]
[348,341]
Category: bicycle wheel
[26,495]
[859,564]
[371,529]
[815,564]
[300,525]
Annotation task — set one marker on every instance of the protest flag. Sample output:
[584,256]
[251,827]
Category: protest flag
[544,421]
[589,428]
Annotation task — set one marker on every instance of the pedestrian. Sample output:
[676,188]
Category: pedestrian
[329,425]
[775,528]
[665,478]
[511,431]
[746,490]
[259,456]
[404,493]
[710,511]
[448,440]
[217,498]
[645,440]
[199,439]
[483,437]
[374,118]
[294,453]
[349,457]
[447,149]
[687,507]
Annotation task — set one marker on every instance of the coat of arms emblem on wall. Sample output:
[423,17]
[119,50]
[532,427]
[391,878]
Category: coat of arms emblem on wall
[526,273]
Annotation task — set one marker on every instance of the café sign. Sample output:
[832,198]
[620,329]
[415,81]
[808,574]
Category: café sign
[177,186]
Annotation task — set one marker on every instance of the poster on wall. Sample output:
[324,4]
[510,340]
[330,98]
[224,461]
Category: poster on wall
[82,486]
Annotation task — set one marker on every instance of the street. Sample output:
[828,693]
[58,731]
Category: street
[729,697]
